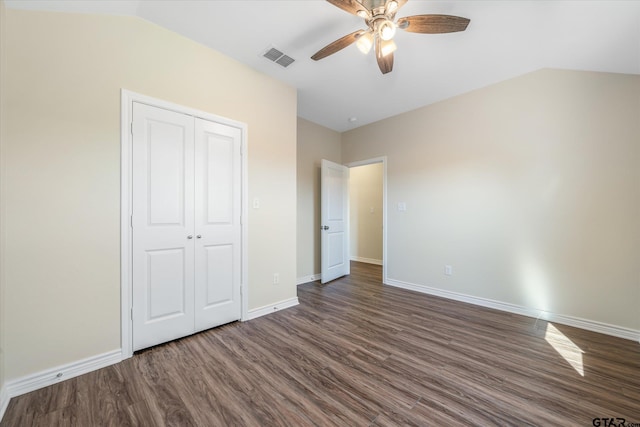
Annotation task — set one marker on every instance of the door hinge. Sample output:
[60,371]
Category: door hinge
[240,219]
[131,128]
[131,220]
[132,314]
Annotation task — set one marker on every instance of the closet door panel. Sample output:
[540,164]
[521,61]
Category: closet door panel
[163,220]
[218,275]
[217,223]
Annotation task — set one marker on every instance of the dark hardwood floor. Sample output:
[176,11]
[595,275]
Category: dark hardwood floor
[357,353]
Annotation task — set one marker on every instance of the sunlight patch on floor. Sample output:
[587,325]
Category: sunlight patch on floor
[565,347]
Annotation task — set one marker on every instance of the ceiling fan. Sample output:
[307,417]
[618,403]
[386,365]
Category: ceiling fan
[379,16]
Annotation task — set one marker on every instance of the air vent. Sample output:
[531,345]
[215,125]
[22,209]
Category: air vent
[273,54]
[285,60]
[278,57]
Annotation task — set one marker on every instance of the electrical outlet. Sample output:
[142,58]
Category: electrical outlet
[448,270]
[276,278]
[256,203]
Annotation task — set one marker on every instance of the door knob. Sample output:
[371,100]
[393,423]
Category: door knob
[199,236]
[324,227]
[189,236]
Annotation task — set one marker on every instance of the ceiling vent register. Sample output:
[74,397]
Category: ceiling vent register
[278,57]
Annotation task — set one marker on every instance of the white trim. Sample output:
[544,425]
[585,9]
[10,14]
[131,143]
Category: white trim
[125,221]
[61,373]
[244,278]
[592,325]
[383,160]
[126,103]
[385,215]
[307,279]
[271,308]
[589,325]
[366,162]
[366,260]
[4,401]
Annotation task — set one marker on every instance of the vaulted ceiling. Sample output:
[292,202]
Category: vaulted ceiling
[504,39]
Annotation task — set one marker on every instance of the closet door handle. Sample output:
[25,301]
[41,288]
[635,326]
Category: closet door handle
[190,236]
[199,236]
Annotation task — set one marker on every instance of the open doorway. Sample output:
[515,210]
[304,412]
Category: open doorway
[367,212]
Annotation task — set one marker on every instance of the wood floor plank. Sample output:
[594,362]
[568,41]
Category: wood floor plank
[357,353]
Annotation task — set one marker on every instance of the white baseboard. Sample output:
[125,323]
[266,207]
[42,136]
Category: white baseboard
[367,260]
[55,375]
[4,401]
[268,309]
[590,325]
[307,279]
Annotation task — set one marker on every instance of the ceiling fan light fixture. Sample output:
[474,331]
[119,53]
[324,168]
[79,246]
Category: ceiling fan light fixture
[363,14]
[392,6]
[387,47]
[387,30]
[365,42]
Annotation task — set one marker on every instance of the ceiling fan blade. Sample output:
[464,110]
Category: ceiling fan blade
[433,24]
[337,45]
[385,62]
[351,6]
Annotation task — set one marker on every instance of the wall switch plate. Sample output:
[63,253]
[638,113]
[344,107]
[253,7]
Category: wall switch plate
[256,203]
[448,270]
[402,206]
[276,278]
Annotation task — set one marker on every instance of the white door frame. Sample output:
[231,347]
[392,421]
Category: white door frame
[383,160]
[127,98]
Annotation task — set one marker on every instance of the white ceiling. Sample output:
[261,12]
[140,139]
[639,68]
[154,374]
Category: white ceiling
[504,39]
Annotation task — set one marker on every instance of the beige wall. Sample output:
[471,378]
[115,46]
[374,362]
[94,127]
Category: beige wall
[365,212]
[529,188]
[315,143]
[2,180]
[62,124]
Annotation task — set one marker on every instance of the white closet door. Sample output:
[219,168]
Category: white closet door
[217,224]
[163,225]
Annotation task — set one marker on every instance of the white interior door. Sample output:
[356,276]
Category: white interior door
[334,216]
[217,224]
[163,224]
